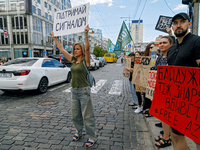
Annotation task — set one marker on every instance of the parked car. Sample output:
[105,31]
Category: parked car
[94,63]
[32,74]
[101,61]
[61,59]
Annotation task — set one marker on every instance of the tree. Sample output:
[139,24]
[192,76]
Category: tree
[98,51]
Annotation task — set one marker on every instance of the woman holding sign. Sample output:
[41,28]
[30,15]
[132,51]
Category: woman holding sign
[164,44]
[81,103]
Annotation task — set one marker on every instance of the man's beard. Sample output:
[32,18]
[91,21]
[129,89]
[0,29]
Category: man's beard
[181,34]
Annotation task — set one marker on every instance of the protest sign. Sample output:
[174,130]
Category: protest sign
[128,63]
[126,73]
[176,99]
[151,83]
[140,89]
[163,23]
[70,21]
[142,66]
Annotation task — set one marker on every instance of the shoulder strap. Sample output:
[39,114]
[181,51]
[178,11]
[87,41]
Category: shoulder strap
[88,72]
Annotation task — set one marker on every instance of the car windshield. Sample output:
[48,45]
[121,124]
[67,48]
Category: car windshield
[21,62]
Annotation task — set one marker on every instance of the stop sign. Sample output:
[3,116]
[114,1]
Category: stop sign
[5,32]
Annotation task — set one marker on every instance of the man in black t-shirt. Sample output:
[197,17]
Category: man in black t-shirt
[185,52]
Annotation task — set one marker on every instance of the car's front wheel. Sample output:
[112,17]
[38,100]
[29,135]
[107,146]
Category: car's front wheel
[43,85]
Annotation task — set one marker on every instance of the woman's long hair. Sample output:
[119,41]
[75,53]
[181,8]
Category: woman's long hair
[82,48]
[147,50]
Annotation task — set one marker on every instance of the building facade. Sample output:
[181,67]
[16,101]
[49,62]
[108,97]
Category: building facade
[137,31]
[29,24]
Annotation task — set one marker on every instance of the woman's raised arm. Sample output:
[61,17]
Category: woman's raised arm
[61,48]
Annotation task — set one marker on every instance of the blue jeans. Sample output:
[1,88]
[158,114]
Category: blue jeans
[133,93]
[82,111]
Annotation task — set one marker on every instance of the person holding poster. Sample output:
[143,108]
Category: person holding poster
[139,107]
[132,88]
[81,103]
[185,52]
[147,101]
[164,44]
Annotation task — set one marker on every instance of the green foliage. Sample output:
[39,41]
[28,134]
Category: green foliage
[98,52]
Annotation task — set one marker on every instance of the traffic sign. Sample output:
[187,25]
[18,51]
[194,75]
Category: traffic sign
[5,36]
[129,45]
[5,32]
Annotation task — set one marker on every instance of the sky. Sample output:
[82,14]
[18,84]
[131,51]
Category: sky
[106,15]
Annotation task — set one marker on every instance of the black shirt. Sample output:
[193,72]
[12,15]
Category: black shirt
[186,53]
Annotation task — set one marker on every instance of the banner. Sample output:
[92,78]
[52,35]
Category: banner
[123,39]
[151,83]
[153,55]
[163,23]
[176,99]
[70,21]
[142,66]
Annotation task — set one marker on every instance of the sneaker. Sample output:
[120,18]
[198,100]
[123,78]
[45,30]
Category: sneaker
[139,109]
[159,124]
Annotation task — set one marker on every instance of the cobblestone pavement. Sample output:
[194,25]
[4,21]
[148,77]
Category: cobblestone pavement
[39,122]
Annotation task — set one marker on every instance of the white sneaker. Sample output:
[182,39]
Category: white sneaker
[138,110]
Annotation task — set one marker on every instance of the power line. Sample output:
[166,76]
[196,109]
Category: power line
[143,9]
[168,6]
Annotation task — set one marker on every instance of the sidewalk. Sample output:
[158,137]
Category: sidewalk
[155,131]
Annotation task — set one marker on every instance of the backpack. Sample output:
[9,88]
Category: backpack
[90,77]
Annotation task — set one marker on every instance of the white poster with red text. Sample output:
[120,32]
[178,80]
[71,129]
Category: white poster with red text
[151,83]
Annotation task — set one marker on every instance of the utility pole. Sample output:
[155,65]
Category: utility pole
[195,19]
[128,21]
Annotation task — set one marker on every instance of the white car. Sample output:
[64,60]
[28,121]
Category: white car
[32,74]
[94,63]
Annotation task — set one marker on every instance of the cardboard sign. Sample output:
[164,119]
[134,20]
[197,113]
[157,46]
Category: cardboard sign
[126,73]
[151,83]
[70,21]
[128,63]
[140,89]
[142,66]
[176,99]
[163,23]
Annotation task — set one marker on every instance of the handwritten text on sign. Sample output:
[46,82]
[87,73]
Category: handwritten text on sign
[176,99]
[71,21]
[163,23]
[151,83]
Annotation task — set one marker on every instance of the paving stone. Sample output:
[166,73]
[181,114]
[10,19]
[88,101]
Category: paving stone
[17,148]
[5,147]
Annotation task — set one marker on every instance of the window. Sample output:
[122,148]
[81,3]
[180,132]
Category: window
[45,4]
[49,7]
[5,23]
[46,15]
[22,6]
[1,23]
[13,7]
[2,7]
[38,1]
[34,9]
[50,18]
[47,63]
[21,22]
[39,12]
[56,63]
[54,10]
[58,4]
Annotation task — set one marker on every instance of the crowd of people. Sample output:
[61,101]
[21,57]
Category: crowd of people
[180,49]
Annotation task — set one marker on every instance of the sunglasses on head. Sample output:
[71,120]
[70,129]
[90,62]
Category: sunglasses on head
[150,47]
